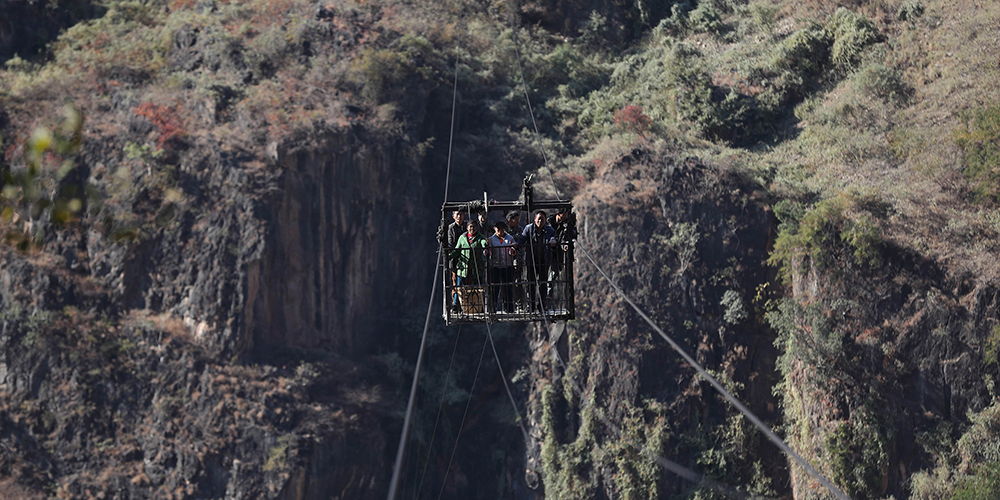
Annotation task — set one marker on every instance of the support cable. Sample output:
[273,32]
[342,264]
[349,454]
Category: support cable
[489,329]
[451,133]
[413,388]
[524,85]
[394,483]
[722,390]
[444,393]
[667,464]
[444,482]
[510,395]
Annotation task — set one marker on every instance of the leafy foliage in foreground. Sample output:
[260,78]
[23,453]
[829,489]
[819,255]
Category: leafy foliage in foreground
[42,193]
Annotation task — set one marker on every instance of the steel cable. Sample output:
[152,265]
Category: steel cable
[444,392]
[722,390]
[444,482]
[394,483]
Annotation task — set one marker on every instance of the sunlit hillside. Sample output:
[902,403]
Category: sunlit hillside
[218,222]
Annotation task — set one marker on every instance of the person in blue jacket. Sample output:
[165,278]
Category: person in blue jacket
[540,238]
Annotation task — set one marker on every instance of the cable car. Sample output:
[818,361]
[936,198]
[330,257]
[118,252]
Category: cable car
[527,276]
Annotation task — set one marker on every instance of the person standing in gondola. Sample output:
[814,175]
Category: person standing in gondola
[540,238]
[484,225]
[470,252]
[501,268]
[563,222]
[514,229]
[455,231]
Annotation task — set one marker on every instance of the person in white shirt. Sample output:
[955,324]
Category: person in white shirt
[502,268]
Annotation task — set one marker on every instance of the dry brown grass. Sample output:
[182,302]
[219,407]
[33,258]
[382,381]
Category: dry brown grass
[849,141]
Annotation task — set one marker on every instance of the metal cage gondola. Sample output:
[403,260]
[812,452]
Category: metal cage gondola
[539,284]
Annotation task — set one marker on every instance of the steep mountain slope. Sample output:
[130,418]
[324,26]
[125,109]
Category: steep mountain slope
[688,242]
[134,329]
[215,263]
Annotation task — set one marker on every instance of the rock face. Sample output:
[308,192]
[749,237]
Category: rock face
[342,238]
[878,359]
[133,410]
[293,255]
[285,263]
[688,243]
[870,366]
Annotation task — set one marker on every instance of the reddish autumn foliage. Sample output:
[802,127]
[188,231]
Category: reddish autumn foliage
[632,119]
[164,118]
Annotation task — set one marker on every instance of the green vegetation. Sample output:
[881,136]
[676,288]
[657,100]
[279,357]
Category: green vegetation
[979,139]
[852,34]
[822,107]
[859,454]
[991,346]
[279,455]
[969,468]
[628,449]
[816,236]
[683,242]
[983,485]
[734,309]
[43,192]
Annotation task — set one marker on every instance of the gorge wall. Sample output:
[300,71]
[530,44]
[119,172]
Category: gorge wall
[283,266]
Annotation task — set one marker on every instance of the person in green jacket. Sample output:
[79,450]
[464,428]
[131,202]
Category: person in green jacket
[469,253]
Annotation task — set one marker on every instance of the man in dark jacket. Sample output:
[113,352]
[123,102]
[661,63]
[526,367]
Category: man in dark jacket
[514,229]
[563,223]
[455,231]
[540,238]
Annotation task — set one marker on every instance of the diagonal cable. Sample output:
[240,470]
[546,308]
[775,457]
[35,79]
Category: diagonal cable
[444,393]
[666,463]
[394,483]
[802,462]
[444,481]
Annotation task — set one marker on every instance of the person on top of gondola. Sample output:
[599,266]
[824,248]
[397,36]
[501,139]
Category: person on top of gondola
[470,252]
[540,237]
[514,223]
[484,225]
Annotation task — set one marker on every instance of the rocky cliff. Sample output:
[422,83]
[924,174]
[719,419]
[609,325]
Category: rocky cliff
[688,242]
[197,331]
[226,301]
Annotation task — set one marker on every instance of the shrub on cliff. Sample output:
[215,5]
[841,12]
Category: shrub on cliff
[695,96]
[979,139]
[387,75]
[910,10]
[852,34]
[984,485]
[706,18]
[884,83]
[802,57]
[859,453]
[822,233]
